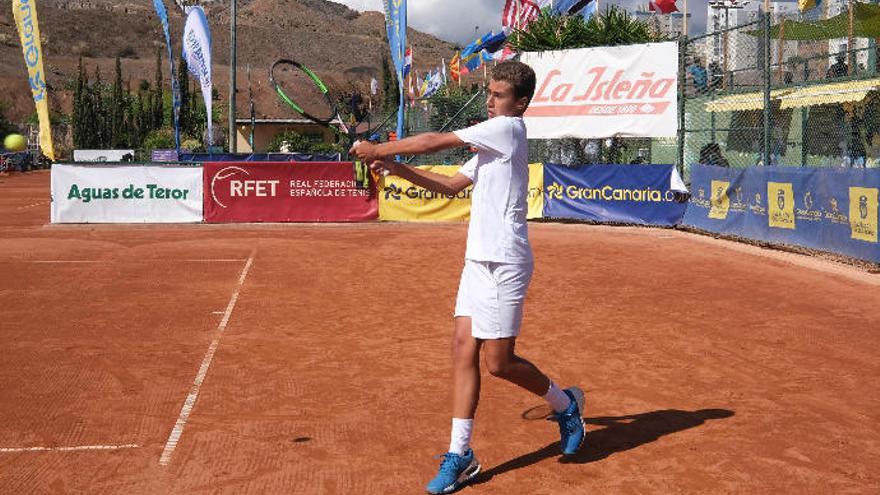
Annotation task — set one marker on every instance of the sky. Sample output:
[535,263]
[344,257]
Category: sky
[443,18]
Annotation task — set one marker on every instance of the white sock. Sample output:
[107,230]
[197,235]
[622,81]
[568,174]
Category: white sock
[557,399]
[461,435]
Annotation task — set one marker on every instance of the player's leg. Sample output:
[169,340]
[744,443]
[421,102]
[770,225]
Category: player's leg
[502,362]
[568,404]
[499,324]
[465,370]
[460,464]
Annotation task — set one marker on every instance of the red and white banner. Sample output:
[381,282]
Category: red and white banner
[588,93]
[286,192]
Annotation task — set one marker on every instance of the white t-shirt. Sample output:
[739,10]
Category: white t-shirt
[498,231]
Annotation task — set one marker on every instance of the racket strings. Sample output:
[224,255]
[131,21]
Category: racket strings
[303,91]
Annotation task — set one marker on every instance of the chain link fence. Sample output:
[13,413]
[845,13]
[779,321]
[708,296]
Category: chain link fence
[784,89]
[458,110]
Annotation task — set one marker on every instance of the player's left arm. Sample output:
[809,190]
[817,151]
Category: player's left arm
[432,181]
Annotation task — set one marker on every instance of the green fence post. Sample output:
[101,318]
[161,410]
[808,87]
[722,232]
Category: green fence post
[767,110]
[682,55]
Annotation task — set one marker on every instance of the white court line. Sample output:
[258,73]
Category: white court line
[218,260]
[63,261]
[68,449]
[190,401]
[32,205]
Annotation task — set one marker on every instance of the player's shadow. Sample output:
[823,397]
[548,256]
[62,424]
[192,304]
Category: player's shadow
[620,433]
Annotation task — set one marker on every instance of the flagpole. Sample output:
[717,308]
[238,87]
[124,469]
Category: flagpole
[233,145]
[849,43]
[685,21]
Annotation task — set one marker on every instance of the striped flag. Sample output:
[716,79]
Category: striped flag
[407,62]
[455,67]
[518,14]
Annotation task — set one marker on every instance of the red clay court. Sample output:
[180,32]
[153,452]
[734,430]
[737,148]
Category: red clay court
[311,359]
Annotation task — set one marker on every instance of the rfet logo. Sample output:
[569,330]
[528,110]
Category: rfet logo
[232,182]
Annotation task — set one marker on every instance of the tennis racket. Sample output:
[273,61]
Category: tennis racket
[312,98]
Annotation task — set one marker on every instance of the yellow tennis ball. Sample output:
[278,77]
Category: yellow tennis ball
[15,142]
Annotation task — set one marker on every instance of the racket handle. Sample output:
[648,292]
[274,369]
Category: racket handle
[385,172]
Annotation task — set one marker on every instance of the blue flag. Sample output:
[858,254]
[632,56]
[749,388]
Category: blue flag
[494,42]
[395,25]
[585,8]
[175,91]
[473,61]
[476,45]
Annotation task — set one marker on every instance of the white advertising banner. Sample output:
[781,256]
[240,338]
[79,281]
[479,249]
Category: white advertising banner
[102,155]
[126,194]
[197,52]
[589,93]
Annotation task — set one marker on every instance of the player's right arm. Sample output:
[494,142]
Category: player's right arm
[431,181]
[429,142]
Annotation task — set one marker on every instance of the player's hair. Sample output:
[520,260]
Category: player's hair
[519,75]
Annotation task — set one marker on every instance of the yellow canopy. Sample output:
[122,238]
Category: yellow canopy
[743,101]
[824,94]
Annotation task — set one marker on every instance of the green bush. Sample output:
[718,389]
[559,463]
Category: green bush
[296,142]
[160,139]
[193,145]
[328,148]
[612,26]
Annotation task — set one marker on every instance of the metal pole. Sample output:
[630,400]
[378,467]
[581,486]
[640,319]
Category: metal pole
[725,41]
[780,51]
[684,28]
[712,121]
[682,52]
[804,120]
[252,109]
[849,42]
[803,136]
[767,115]
[232,70]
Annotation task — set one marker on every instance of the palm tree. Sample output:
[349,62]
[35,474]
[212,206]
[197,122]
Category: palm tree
[550,31]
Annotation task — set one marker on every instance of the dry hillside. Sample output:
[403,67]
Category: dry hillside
[329,37]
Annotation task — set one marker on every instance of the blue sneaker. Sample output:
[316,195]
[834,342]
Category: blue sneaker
[571,424]
[455,471]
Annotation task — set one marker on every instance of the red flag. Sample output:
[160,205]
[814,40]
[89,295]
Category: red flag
[663,6]
[518,14]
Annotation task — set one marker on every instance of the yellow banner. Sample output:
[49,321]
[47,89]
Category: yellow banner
[536,191]
[863,213]
[780,205]
[401,201]
[719,200]
[25,13]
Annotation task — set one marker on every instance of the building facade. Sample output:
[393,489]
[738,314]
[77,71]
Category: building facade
[741,50]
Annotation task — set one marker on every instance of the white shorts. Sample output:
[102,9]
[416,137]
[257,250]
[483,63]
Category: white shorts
[493,294]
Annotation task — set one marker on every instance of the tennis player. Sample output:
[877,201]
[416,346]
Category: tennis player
[498,263]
